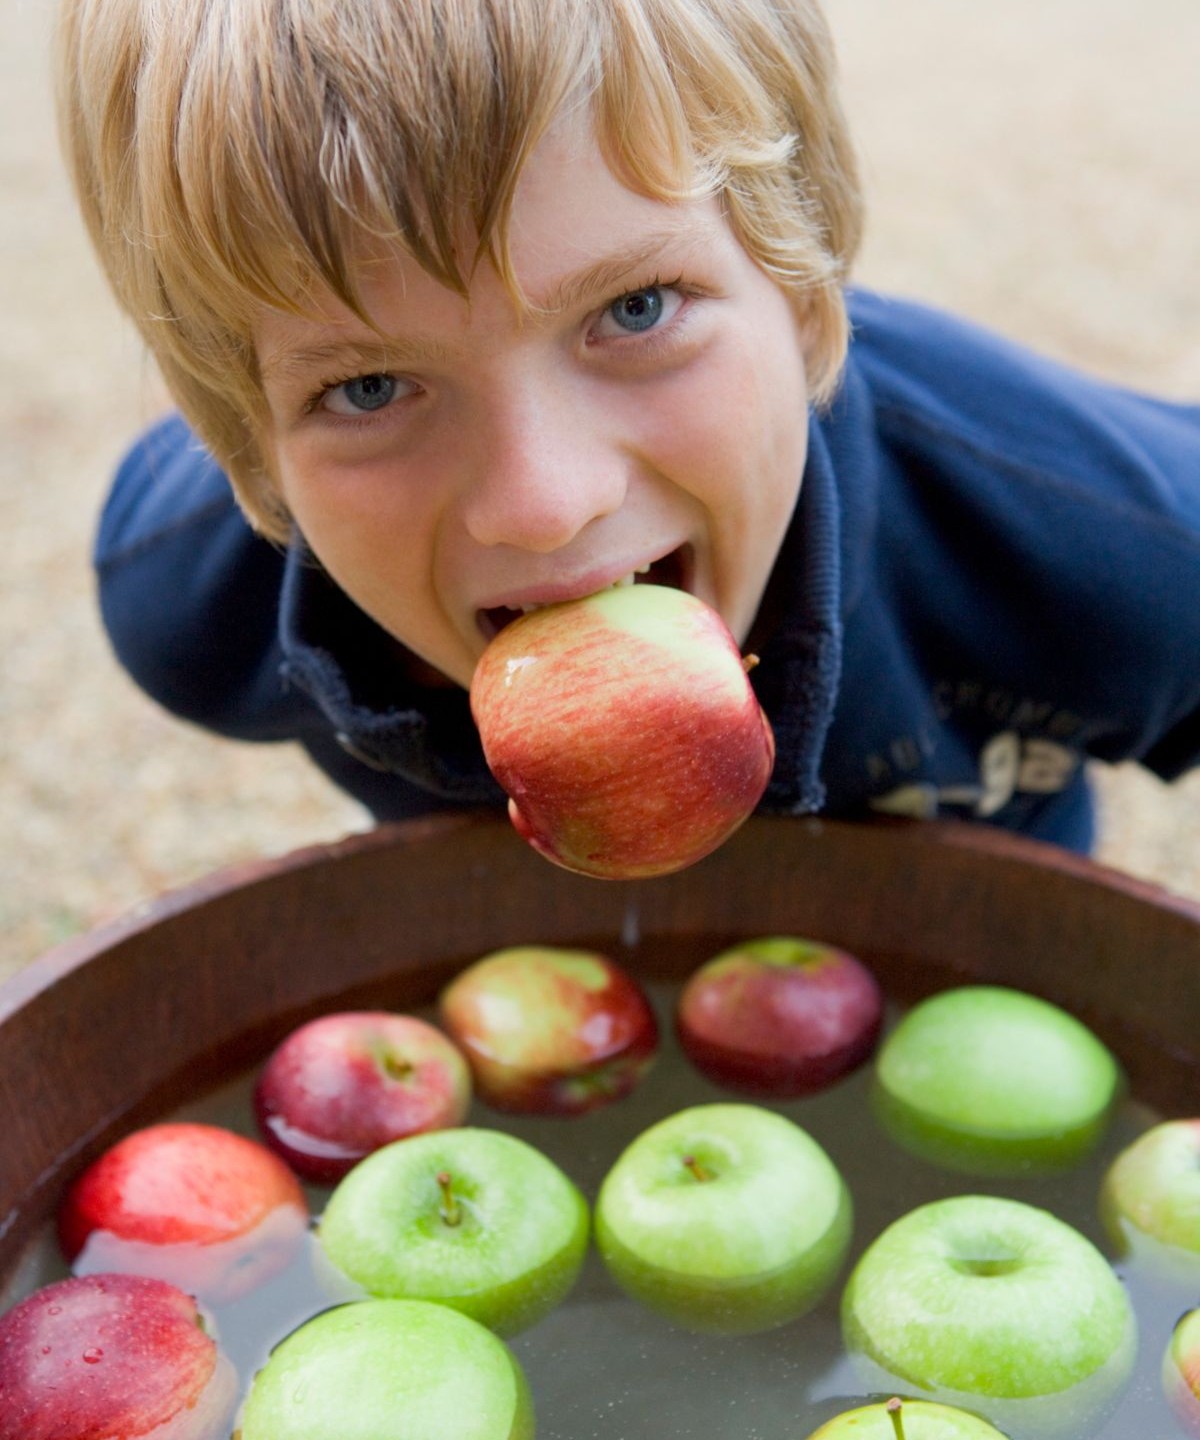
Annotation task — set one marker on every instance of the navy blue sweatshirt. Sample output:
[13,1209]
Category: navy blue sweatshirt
[992,574]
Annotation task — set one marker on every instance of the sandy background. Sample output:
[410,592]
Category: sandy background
[1034,164]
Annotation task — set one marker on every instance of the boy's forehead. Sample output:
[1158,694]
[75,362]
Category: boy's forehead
[570,203]
[577,233]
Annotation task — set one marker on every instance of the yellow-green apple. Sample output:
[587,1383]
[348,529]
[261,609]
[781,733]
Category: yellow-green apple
[1181,1371]
[726,1218]
[112,1357]
[548,1030]
[386,1369]
[207,1209]
[778,1017]
[342,1085]
[990,1303]
[897,1419]
[1151,1193]
[992,1081]
[475,1219]
[624,730]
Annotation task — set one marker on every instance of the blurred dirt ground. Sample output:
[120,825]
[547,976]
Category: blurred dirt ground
[1034,165]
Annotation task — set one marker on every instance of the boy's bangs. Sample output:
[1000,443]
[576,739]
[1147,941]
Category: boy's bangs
[285,171]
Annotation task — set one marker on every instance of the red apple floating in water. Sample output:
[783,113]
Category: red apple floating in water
[624,730]
[341,1086]
[1181,1371]
[550,1031]
[779,1017]
[104,1356]
[197,1205]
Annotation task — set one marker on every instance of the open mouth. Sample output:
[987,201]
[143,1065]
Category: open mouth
[673,570]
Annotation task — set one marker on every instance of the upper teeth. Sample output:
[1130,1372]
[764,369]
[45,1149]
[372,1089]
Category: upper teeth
[616,585]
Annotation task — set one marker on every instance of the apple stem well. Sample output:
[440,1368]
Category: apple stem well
[451,1209]
[894,1406]
[984,1266]
[749,662]
[395,1068]
[691,1163]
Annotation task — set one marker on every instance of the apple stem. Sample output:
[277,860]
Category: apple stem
[749,662]
[894,1406]
[696,1168]
[451,1210]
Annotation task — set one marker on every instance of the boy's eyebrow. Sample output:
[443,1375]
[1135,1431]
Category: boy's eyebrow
[370,355]
[612,270]
[598,278]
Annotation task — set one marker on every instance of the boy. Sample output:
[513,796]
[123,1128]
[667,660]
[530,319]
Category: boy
[482,304]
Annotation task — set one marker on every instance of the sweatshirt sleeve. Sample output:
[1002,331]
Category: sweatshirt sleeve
[1044,530]
[189,593]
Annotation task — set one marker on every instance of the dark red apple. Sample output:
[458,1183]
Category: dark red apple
[197,1205]
[341,1086]
[112,1357]
[779,1017]
[550,1031]
[623,729]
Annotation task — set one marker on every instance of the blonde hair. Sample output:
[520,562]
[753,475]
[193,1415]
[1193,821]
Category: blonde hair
[229,153]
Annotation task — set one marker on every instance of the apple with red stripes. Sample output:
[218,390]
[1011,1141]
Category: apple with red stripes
[624,730]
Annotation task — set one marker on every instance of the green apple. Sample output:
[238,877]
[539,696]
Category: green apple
[476,1219]
[725,1218]
[907,1420]
[1151,1193]
[992,1081]
[981,1299]
[1181,1372]
[389,1370]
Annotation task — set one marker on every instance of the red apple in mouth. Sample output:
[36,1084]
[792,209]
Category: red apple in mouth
[624,730]
[673,571]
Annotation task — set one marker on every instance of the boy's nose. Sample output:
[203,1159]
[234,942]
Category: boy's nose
[542,474]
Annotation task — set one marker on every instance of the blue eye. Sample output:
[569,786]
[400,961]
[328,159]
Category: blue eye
[639,310]
[369,392]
